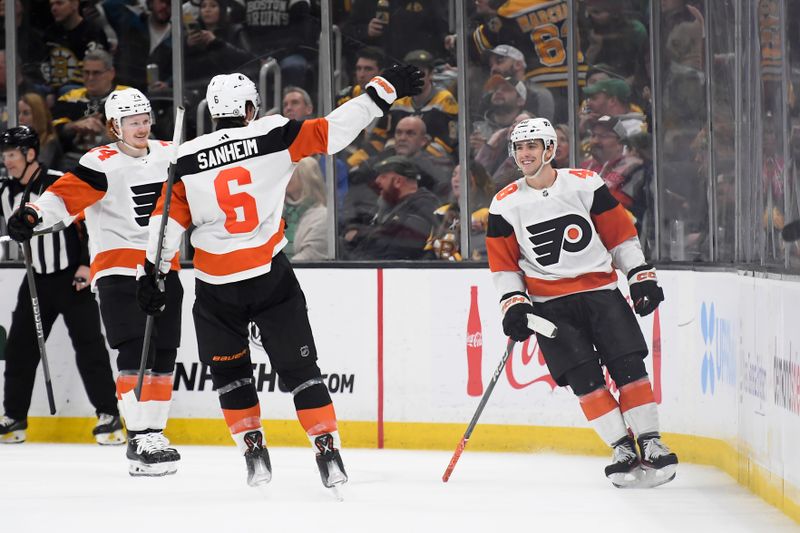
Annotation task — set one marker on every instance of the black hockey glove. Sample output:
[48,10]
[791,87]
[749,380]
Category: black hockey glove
[21,224]
[516,306]
[645,292]
[395,82]
[150,290]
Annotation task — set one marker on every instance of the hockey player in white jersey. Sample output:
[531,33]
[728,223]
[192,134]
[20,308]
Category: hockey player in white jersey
[554,239]
[116,186]
[230,184]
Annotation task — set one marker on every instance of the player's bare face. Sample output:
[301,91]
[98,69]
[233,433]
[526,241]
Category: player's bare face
[529,155]
[136,130]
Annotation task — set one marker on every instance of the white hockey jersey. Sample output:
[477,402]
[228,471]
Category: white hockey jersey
[117,193]
[561,240]
[231,185]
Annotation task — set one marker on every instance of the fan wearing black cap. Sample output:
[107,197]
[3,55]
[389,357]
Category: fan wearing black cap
[404,220]
[59,262]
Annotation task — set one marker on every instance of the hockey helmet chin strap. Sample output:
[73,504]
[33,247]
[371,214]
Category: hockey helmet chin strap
[543,163]
[117,127]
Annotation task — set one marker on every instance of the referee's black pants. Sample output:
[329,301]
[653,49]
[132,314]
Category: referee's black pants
[57,296]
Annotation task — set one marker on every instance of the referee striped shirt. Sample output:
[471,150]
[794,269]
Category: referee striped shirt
[52,252]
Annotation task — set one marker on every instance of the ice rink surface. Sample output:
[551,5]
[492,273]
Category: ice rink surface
[86,488]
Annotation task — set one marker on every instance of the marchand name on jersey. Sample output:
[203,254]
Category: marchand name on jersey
[227,153]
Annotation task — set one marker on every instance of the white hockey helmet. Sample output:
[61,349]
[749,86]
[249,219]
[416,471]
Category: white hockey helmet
[227,95]
[530,129]
[126,103]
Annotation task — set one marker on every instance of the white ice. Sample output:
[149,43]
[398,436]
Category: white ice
[65,488]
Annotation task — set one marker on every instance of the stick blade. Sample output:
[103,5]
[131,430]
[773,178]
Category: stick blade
[542,326]
[456,455]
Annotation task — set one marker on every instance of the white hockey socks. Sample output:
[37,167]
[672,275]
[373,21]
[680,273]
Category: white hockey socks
[639,407]
[602,411]
[152,411]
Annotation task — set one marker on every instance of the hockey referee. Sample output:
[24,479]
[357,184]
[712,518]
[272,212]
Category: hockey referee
[61,275]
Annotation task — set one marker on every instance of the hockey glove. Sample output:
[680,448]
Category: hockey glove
[645,292]
[150,290]
[516,306]
[21,224]
[393,83]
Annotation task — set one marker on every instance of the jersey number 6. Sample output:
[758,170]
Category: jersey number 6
[241,213]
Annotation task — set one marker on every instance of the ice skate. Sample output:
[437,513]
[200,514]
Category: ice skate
[259,469]
[108,430]
[658,463]
[149,454]
[12,431]
[331,468]
[625,470]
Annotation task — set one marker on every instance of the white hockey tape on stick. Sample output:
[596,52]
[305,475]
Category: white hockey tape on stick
[542,326]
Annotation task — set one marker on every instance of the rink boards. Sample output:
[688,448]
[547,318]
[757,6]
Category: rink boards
[393,347]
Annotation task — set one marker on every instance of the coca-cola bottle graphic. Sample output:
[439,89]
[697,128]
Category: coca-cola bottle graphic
[474,346]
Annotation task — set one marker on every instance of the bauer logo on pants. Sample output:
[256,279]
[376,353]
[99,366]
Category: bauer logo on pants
[571,233]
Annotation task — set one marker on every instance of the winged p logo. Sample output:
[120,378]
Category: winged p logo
[570,233]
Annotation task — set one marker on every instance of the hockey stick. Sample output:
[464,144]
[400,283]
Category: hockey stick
[148,328]
[538,324]
[468,433]
[58,227]
[37,315]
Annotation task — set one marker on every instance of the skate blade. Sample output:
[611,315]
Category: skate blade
[137,469]
[337,493]
[261,476]
[335,476]
[656,477]
[14,437]
[115,438]
[627,480]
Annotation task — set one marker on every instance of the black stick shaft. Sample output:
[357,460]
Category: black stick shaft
[148,328]
[37,320]
[474,422]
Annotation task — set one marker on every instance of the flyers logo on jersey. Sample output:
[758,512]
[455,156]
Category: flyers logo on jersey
[144,199]
[570,233]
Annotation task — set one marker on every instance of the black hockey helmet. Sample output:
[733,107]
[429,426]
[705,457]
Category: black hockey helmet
[22,137]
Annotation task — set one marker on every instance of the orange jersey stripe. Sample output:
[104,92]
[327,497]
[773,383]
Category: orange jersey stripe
[597,403]
[178,206]
[76,194]
[560,287]
[124,258]
[503,253]
[239,420]
[157,388]
[614,226]
[312,139]
[635,394]
[238,260]
[318,420]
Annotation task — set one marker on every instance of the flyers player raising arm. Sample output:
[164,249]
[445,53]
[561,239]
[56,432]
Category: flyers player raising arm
[230,184]
[554,239]
[116,186]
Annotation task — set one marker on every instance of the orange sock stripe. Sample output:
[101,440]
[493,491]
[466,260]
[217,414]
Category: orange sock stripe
[318,420]
[597,403]
[157,388]
[635,394]
[239,420]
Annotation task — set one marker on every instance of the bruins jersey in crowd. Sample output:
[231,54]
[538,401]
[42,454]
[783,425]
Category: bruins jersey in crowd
[440,114]
[538,28]
[560,240]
